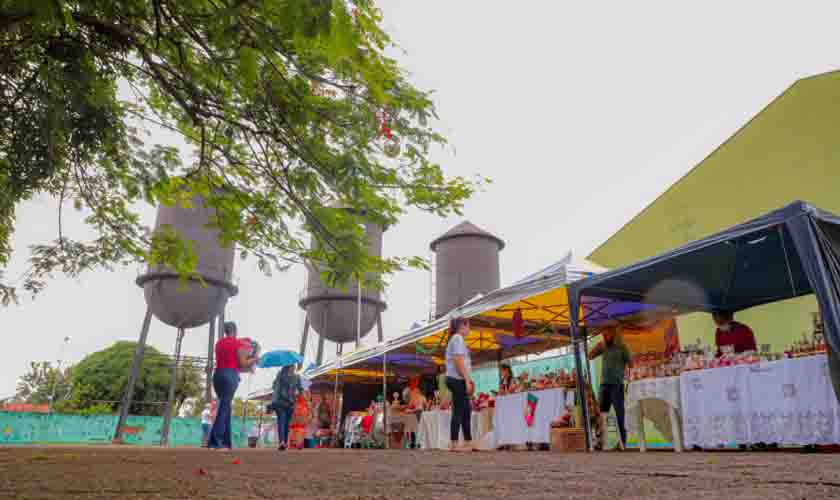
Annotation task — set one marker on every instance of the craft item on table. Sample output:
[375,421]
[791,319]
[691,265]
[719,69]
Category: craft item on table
[530,408]
[518,324]
[481,402]
[564,420]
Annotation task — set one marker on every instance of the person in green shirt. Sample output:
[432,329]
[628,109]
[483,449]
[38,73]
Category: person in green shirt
[615,357]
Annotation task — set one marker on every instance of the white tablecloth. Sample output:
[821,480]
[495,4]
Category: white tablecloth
[656,399]
[787,402]
[433,433]
[510,426]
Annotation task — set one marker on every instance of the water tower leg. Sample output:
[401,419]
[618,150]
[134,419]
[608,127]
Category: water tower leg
[139,352]
[379,328]
[211,343]
[320,358]
[305,337]
[170,401]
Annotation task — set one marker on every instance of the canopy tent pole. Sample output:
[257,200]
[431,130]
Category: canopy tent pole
[586,364]
[787,261]
[574,304]
[336,407]
[385,400]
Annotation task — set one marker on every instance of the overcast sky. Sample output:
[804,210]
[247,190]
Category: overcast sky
[581,113]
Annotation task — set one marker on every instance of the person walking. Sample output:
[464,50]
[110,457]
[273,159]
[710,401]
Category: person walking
[616,357]
[286,388]
[205,425]
[231,358]
[460,384]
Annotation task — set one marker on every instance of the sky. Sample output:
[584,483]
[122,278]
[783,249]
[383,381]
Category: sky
[581,113]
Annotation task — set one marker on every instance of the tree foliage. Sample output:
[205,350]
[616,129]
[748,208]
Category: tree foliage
[101,379]
[38,385]
[254,408]
[291,108]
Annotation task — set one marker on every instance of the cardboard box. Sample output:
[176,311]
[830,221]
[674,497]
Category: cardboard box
[567,439]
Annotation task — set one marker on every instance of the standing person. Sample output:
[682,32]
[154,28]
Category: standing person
[205,425]
[460,383]
[286,388]
[416,402]
[231,357]
[505,378]
[616,356]
[731,332]
[325,411]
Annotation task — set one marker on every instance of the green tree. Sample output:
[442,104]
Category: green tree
[254,407]
[290,107]
[42,381]
[101,378]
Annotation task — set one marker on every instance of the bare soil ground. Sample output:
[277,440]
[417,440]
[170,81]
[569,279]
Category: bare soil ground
[102,472]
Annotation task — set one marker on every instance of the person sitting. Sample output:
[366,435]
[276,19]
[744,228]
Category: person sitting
[730,332]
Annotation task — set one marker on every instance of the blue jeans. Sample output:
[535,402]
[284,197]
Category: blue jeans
[205,434]
[284,418]
[225,382]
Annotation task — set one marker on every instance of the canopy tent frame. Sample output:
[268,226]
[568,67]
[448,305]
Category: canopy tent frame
[752,276]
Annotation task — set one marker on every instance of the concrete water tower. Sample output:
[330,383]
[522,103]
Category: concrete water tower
[466,264]
[342,315]
[182,305]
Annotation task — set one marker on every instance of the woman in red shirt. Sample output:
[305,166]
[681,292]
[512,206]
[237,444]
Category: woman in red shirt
[231,357]
[730,332]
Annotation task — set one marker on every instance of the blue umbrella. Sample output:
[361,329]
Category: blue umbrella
[279,358]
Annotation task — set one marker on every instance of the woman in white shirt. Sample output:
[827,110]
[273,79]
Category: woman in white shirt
[460,383]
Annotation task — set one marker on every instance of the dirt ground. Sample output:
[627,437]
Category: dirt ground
[103,472]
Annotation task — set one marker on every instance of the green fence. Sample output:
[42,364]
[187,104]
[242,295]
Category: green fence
[32,428]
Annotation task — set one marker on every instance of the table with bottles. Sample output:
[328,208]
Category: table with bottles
[730,398]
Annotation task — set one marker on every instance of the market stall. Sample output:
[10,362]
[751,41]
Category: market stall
[526,417]
[788,253]
[786,402]
[433,433]
[529,317]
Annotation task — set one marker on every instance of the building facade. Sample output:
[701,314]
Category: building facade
[788,151]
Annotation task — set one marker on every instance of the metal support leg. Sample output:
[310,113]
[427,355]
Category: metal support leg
[640,424]
[358,315]
[320,358]
[676,428]
[305,337]
[173,381]
[583,395]
[379,327]
[136,365]
[211,344]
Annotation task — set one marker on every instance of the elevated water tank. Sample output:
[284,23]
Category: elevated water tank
[333,312]
[191,304]
[466,264]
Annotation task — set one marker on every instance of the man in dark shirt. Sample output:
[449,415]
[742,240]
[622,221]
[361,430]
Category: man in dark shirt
[615,359]
[730,332]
